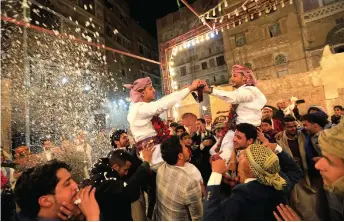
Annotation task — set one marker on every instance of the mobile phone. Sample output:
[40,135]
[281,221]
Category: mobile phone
[300,101]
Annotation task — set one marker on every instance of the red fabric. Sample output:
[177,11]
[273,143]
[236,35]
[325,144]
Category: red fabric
[4,180]
[277,125]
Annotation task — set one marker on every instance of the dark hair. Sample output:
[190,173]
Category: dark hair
[174,124]
[287,119]
[183,135]
[119,157]
[267,120]
[202,120]
[339,107]
[116,136]
[317,117]
[180,127]
[314,109]
[34,183]
[170,150]
[249,130]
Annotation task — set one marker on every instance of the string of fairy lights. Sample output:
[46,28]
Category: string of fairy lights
[221,18]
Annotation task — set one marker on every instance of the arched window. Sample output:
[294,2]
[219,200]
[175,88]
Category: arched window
[280,59]
[248,65]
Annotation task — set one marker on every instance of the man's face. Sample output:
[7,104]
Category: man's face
[149,93]
[238,79]
[186,155]
[338,112]
[207,119]
[240,141]
[47,144]
[311,128]
[187,140]
[290,128]
[65,189]
[123,141]
[200,126]
[331,168]
[173,128]
[266,127]
[123,170]
[282,105]
[180,132]
[267,113]
[218,133]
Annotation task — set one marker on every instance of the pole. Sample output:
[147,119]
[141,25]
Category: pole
[26,70]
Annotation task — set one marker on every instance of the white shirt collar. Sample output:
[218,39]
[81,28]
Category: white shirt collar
[249,180]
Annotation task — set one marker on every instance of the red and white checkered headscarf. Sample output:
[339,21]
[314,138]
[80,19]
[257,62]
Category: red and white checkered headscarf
[248,73]
[139,84]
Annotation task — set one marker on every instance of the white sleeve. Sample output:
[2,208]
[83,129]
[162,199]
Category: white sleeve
[227,146]
[163,104]
[215,179]
[236,96]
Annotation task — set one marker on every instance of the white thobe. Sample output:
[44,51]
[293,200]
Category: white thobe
[140,116]
[250,102]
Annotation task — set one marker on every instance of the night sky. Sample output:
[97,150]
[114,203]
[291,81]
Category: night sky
[145,12]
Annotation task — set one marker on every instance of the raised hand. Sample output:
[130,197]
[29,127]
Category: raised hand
[286,213]
[147,152]
[219,166]
[87,203]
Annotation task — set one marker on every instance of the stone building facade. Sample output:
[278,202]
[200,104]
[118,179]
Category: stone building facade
[205,60]
[282,47]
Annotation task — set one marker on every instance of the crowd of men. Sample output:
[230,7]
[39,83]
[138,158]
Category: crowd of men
[305,155]
[282,166]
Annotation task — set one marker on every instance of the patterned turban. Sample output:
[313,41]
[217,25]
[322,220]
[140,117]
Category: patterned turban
[265,166]
[248,73]
[137,87]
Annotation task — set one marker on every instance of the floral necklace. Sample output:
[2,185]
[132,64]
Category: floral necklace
[163,132]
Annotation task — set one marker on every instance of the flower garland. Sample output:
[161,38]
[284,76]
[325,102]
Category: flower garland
[163,132]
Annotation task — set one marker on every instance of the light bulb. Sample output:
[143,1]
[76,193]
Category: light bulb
[220,8]
[221,29]
[244,8]
[227,26]
[226,4]
[229,15]
[274,7]
[236,12]
[260,13]
[246,19]
[213,12]
[252,17]
[290,1]
[239,21]
[233,24]
[221,19]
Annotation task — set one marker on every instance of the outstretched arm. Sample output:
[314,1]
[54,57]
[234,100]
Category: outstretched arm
[167,102]
[244,94]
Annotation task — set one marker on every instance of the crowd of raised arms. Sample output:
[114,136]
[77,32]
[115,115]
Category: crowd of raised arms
[254,162]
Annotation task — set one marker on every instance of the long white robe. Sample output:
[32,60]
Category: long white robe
[140,116]
[250,102]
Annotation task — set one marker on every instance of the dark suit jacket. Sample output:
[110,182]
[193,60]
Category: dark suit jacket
[252,200]
[200,158]
[115,196]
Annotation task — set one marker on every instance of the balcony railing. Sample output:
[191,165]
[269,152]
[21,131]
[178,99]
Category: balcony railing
[324,11]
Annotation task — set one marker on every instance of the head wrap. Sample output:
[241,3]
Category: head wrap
[139,85]
[268,108]
[251,80]
[318,108]
[265,166]
[219,126]
[331,141]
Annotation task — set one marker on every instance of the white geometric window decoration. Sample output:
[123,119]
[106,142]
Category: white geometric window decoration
[280,59]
